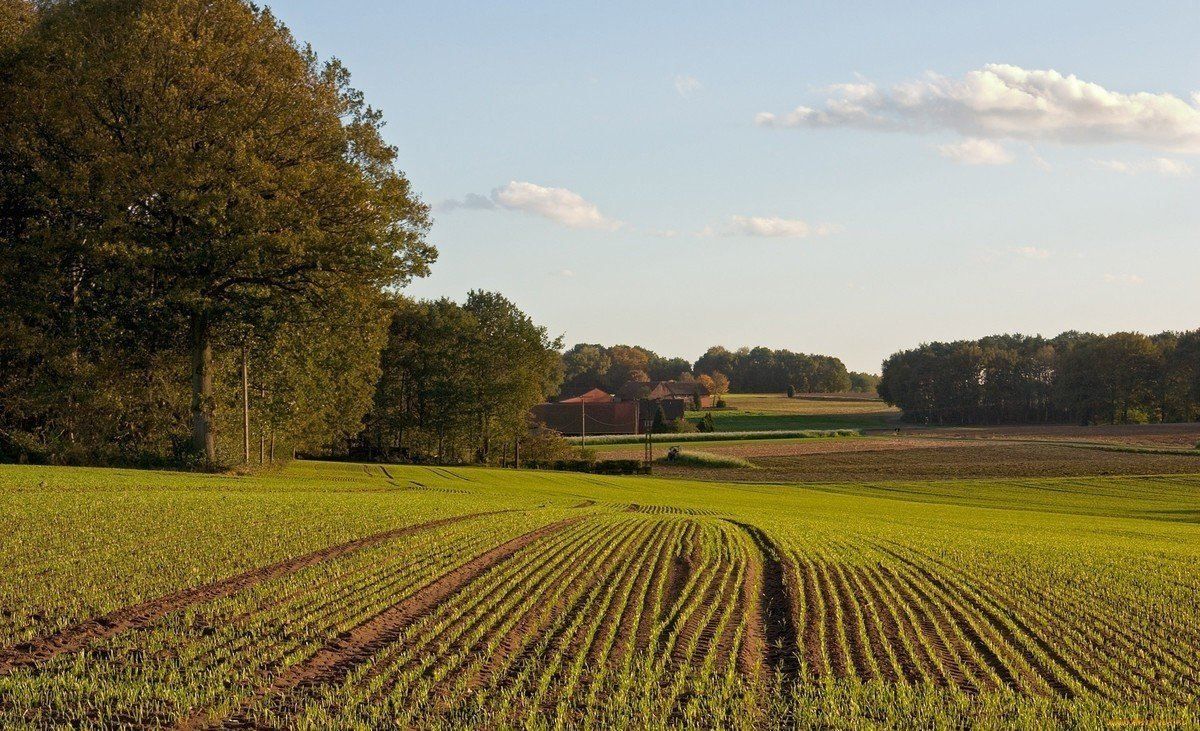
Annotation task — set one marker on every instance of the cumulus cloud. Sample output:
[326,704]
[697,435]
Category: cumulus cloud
[1001,101]
[685,86]
[1031,252]
[1131,279]
[772,227]
[557,204]
[1165,166]
[974,151]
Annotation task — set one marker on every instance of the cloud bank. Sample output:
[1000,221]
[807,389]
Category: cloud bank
[1002,101]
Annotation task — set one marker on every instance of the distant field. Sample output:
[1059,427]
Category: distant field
[350,596]
[762,412]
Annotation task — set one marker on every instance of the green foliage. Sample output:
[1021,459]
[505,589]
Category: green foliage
[457,380]
[696,458]
[763,370]
[1082,378]
[181,177]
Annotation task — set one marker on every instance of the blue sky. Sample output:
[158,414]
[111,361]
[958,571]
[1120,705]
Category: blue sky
[919,173]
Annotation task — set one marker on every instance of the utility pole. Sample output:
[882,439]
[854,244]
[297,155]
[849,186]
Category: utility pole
[245,402]
[582,427]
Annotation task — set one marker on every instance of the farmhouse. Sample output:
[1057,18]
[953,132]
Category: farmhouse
[662,391]
[575,417]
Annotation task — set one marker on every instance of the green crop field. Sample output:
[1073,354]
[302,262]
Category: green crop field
[350,596]
[768,412]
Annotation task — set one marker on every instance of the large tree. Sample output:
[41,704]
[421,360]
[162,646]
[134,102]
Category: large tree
[185,166]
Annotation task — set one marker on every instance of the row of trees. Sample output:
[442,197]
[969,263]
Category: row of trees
[747,370]
[457,381]
[1074,377]
[184,188]
[763,370]
[594,365]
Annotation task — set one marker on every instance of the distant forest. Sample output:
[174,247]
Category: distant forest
[1076,377]
[747,370]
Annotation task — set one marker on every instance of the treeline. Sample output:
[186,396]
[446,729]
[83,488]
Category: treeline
[457,381]
[185,191]
[747,370]
[763,370]
[1075,377]
[593,365]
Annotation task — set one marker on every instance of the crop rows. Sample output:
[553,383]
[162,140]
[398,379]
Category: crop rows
[604,613]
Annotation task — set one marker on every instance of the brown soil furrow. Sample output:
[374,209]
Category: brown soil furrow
[916,659]
[621,629]
[986,664]
[563,619]
[935,634]
[882,632]
[991,609]
[76,637]
[701,599]
[333,662]
[774,630]
[655,590]
[835,642]
[853,623]
[679,577]
[532,621]
[415,647]
[726,592]
[815,658]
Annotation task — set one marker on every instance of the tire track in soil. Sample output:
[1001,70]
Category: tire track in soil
[337,659]
[773,631]
[137,616]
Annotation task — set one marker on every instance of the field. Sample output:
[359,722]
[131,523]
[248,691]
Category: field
[351,596]
[754,412]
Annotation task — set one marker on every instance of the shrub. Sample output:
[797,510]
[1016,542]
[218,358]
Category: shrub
[546,445]
[695,458]
[791,392]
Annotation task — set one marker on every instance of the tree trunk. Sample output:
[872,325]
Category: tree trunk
[245,404]
[202,386]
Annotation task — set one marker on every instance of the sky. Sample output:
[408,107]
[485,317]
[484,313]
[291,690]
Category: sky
[845,179]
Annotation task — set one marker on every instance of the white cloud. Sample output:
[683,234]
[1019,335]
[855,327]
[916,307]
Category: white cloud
[974,151]
[1165,166]
[557,204]
[471,201]
[565,273]
[1008,102]
[685,86]
[1031,252]
[772,227]
[1131,279]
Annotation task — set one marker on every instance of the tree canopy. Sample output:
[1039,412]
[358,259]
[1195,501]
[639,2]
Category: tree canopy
[1074,377]
[179,176]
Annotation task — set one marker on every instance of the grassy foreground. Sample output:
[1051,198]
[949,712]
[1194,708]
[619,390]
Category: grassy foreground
[336,596]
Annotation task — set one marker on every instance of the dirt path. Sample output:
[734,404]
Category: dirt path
[76,637]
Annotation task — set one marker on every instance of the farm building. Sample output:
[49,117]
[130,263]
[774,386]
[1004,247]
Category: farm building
[604,417]
[573,418]
[685,391]
[578,395]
